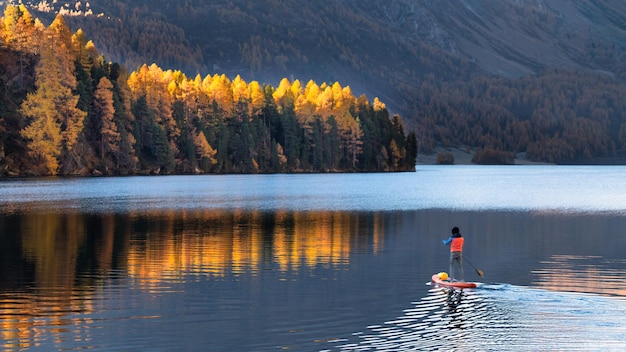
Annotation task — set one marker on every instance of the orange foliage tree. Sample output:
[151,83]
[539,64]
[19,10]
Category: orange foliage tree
[86,116]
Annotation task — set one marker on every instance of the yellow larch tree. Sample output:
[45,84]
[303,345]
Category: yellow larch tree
[241,97]
[343,100]
[378,105]
[204,149]
[203,94]
[221,91]
[206,83]
[139,82]
[83,50]
[44,131]
[305,104]
[257,97]
[104,111]
[185,90]
[153,83]
[312,91]
[296,88]
[174,89]
[283,97]
[240,89]
[54,82]
[187,93]
[197,82]
[59,39]
[20,32]
[92,51]
[195,97]
[159,98]
[19,29]
[325,103]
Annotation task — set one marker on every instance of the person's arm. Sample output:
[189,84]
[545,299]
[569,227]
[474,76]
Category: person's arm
[448,241]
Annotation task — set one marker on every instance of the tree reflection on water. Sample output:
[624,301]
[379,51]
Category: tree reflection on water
[55,265]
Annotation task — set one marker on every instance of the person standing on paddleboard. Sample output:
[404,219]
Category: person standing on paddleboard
[456,251]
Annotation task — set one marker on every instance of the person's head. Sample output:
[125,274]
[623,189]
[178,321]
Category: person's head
[455,230]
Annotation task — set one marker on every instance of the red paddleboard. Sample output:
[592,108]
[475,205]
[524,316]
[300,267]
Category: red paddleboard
[452,284]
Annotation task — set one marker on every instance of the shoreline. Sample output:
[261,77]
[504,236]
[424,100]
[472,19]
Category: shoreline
[463,156]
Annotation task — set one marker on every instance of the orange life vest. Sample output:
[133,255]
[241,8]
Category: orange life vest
[457,244]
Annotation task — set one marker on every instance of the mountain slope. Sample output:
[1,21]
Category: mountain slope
[512,38]
[379,48]
[398,50]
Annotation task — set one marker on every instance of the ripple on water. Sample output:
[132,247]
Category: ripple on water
[499,318]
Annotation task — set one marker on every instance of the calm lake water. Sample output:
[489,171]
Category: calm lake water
[315,262]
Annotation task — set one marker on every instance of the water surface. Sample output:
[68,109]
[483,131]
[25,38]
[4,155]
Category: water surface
[513,188]
[315,262]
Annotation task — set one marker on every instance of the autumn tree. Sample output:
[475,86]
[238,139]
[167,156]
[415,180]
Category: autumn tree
[104,112]
[83,115]
[205,152]
[44,131]
[21,32]
[59,44]
[57,70]
[257,98]
[220,90]
[53,107]
[19,29]
[84,50]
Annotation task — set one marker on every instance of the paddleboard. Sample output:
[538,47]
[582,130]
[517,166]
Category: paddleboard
[437,280]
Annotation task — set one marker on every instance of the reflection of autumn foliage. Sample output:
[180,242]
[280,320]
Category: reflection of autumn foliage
[28,311]
[581,274]
[167,245]
[52,243]
[73,256]
[221,244]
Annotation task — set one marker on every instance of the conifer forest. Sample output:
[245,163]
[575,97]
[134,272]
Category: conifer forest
[66,110]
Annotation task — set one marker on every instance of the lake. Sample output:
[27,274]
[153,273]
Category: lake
[315,262]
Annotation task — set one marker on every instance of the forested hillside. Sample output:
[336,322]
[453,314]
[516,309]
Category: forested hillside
[67,110]
[556,117]
[267,40]
[437,63]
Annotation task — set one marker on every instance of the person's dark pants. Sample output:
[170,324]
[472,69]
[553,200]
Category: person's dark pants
[458,258]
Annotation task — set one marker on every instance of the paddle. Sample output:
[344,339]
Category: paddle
[478,271]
